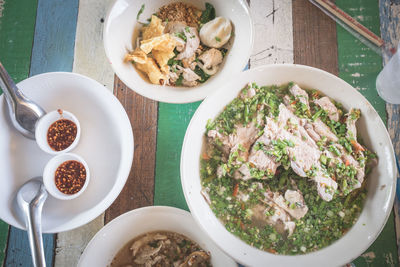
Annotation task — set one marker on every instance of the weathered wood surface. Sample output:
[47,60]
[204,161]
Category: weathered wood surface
[314,37]
[139,188]
[390,33]
[273,42]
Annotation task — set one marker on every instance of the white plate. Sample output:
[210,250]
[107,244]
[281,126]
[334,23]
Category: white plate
[106,144]
[111,238]
[381,182]
[121,30]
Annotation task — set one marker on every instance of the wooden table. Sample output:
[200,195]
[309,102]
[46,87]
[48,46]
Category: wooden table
[39,36]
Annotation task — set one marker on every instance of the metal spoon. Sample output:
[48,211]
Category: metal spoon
[23,112]
[30,198]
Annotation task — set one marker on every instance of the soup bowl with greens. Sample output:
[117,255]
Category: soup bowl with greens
[289,165]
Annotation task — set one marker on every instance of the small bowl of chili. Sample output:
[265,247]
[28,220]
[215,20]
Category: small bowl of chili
[66,176]
[57,132]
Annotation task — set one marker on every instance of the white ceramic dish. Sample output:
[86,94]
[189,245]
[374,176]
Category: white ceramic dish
[381,182]
[121,30]
[110,239]
[50,170]
[106,143]
[43,125]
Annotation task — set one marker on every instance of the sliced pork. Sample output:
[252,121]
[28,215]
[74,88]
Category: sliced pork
[326,104]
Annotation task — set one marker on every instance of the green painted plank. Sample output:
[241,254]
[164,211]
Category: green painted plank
[3,240]
[173,120]
[17,25]
[359,66]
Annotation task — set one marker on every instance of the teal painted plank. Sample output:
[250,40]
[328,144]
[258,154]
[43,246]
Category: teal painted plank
[18,251]
[173,120]
[53,50]
[17,20]
[54,42]
[359,66]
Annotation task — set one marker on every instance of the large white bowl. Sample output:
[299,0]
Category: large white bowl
[381,182]
[111,238]
[121,30]
[106,144]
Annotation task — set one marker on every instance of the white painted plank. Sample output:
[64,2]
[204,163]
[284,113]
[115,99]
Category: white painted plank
[273,41]
[71,244]
[89,60]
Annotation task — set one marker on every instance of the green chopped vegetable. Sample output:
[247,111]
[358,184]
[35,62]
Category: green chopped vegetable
[204,76]
[181,35]
[217,39]
[208,14]
[140,12]
[179,80]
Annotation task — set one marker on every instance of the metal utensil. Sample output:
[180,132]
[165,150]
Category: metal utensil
[23,112]
[30,198]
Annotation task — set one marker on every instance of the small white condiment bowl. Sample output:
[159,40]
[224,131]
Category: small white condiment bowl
[49,175]
[44,124]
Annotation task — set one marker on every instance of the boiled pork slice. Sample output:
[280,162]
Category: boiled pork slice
[300,94]
[326,104]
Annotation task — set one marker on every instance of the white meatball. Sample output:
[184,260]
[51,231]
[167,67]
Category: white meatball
[216,32]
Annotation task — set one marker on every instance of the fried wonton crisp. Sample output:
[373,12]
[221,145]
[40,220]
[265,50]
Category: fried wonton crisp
[151,69]
[137,56]
[155,28]
[161,43]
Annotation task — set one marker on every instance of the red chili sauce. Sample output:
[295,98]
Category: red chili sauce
[61,134]
[70,177]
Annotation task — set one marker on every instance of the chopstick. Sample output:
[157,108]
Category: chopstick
[353,26]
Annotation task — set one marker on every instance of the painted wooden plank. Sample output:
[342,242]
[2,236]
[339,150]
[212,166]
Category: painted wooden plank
[173,120]
[53,47]
[273,42]
[18,251]
[17,27]
[89,60]
[139,188]
[390,32]
[16,37]
[314,40]
[359,66]
[52,51]
[4,228]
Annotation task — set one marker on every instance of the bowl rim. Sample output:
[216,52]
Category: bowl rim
[144,93]
[158,211]
[202,224]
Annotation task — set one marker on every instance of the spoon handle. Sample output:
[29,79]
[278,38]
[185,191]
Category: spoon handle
[13,95]
[35,228]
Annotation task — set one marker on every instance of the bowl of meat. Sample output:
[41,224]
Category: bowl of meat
[153,236]
[177,51]
[288,164]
